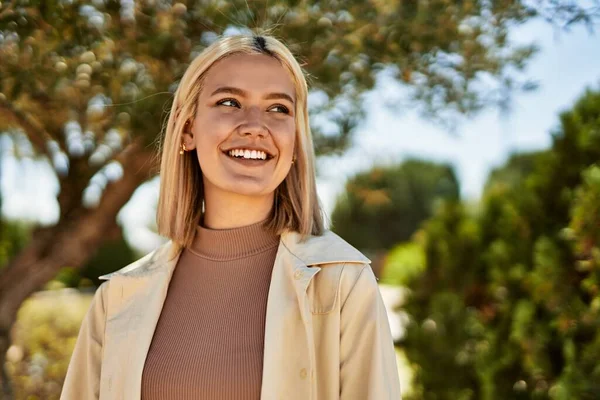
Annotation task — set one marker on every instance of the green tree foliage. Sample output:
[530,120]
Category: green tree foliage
[515,171]
[509,304]
[584,228]
[386,205]
[407,260]
[111,256]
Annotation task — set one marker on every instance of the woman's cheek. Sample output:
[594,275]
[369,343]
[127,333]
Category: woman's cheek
[222,126]
[283,128]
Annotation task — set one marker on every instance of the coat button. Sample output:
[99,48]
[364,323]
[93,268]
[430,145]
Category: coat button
[303,373]
[298,274]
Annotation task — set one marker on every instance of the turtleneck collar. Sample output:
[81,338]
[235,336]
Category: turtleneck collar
[233,243]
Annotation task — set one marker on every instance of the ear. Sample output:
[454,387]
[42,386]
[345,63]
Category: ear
[188,136]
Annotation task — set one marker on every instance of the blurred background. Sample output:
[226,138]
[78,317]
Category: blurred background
[458,147]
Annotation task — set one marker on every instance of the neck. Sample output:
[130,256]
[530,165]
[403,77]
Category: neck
[231,210]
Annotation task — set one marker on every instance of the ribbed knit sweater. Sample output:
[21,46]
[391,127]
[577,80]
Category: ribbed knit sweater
[209,340]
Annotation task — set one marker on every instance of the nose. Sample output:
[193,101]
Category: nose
[253,124]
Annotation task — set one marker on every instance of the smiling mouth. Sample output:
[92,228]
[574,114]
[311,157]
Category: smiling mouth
[249,155]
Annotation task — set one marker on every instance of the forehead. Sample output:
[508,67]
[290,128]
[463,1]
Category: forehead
[254,73]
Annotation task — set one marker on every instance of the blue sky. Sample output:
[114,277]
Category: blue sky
[567,63]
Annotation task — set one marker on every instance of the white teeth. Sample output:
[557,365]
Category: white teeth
[249,154]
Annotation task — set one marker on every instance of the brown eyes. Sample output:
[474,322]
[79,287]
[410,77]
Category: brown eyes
[234,103]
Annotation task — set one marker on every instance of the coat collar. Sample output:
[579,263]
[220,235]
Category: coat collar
[326,249]
[314,250]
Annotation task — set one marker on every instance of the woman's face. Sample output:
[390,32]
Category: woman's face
[244,130]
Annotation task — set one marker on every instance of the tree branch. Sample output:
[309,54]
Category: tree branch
[71,242]
[36,133]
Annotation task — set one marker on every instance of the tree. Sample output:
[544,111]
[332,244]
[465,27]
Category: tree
[386,205]
[508,305]
[517,168]
[87,82]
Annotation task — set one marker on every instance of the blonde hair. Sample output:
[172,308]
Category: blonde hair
[181,195]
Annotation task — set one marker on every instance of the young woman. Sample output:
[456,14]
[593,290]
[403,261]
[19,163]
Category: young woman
[251,298]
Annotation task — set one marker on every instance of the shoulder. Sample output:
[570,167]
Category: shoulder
[334,283]
[340,263]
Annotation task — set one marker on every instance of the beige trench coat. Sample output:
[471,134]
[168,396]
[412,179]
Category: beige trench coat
[323,293]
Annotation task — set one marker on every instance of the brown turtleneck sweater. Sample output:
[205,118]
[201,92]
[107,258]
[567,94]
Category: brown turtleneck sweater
[209,340]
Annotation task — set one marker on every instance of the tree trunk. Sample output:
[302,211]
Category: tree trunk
[5,386]
[72,241]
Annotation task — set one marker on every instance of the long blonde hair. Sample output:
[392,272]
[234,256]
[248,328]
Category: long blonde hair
[296,206]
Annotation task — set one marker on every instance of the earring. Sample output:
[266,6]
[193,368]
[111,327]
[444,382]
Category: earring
[183,148]
[293,159]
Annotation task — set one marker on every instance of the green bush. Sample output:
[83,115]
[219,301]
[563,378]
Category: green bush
[508,305]
[390,203]
[43,339]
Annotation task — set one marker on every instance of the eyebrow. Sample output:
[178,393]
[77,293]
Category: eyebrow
[243,93]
